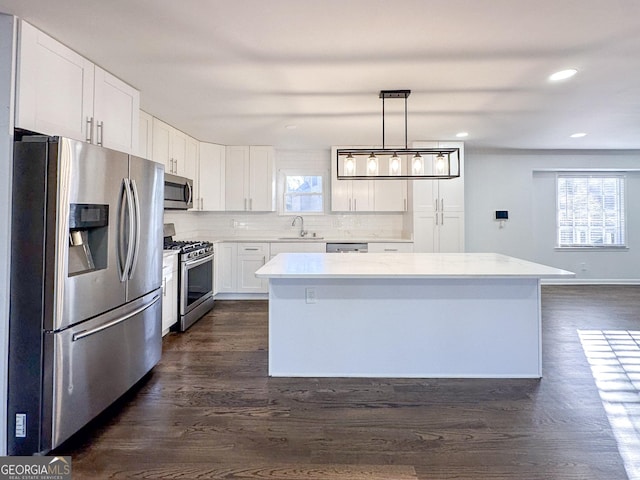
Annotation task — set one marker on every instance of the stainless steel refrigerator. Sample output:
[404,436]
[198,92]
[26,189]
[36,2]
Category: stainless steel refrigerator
[86,275]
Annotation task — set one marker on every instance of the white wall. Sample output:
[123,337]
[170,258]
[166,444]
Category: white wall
[505,180]
[238,225]
[7,61]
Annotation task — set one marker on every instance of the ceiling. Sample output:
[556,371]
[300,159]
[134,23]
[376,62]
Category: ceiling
[242,71]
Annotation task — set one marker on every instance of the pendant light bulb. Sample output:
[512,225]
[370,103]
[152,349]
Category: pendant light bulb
[394,164]
[440,163]
[372,165]
[349,164]
[417,165]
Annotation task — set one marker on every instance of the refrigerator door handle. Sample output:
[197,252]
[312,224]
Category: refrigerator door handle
[136,212]
[130,248]
[120,248]
[86,333]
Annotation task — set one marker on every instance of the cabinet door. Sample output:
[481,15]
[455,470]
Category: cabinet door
[191,168]
[261,179]
[179,152]
[362,192]
[425,232]
[211,177]
[116,110]
[252,256]
[451,232]
[236,170]
[390,195]
[226,261]
[161,151]
[340,189]
[425,195]
[145,135]
[54,92]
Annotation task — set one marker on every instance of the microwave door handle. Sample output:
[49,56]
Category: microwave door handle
[189,192]
[136,212]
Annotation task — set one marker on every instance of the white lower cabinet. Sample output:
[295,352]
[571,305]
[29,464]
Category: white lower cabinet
[252,256]
[390,247]
[297,247]
[169,291]
[236,265]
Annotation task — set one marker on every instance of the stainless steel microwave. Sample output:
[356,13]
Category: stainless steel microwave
[178,192]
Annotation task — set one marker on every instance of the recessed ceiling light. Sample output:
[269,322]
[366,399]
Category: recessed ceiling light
[578,135]
[291,127]
[462,134]
[563,74]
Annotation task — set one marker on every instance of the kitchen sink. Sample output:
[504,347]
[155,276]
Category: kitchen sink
[306,239]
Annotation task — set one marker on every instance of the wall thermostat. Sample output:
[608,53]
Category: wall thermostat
[502,215]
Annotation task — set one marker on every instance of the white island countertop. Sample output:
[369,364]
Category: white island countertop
[404,265]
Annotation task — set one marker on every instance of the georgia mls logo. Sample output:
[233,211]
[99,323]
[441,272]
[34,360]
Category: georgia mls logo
[35,468]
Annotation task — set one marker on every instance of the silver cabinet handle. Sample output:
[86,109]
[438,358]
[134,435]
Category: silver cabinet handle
[100,133]
[355,204]
[442,219]
[245,203]
[405,204]
[437,203]
[390,249]
[247,249]
[89,136]
[251,204]
[437,219]
[349,204]
[442,204]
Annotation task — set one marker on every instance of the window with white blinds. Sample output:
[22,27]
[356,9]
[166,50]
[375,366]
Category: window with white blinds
[590,210]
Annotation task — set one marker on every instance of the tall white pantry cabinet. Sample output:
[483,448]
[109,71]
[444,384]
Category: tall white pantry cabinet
[438,209]
[59,92]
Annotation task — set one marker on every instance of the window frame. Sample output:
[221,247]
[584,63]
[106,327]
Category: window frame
[306,172]
[622,209]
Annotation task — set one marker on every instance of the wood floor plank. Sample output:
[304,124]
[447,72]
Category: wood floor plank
[209,411]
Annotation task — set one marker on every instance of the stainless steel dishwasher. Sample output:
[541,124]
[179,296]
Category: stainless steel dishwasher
[347,247]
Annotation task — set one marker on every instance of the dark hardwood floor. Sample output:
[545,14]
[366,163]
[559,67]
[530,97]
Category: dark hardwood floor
[208,410]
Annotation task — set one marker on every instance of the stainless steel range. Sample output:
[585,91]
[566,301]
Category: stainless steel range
[195,282]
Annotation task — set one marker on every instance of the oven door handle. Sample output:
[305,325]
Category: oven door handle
[198,261]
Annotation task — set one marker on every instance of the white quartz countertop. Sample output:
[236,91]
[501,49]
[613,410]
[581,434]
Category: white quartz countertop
[404,265]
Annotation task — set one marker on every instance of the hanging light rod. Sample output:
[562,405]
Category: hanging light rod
[397,163]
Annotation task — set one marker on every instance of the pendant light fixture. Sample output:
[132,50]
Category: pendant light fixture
[397,163]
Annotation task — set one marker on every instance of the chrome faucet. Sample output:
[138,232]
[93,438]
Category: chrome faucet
[303,232]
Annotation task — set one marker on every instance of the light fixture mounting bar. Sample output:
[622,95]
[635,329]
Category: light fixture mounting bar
[396,94]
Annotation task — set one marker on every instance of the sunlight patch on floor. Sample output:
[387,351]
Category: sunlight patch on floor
[614,357]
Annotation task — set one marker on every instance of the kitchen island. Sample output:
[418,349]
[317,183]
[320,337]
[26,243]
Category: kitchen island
[405,315]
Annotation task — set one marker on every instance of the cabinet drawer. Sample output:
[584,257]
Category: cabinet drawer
[253,249]
[390,247]
[294,247]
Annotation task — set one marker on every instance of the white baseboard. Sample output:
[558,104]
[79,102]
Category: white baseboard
[241,296]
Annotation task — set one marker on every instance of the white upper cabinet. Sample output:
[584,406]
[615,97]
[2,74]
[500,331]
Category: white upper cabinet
[145,135]
[211,178]
[116,110]
[59,92]
[54,92]
[175,149]
[250,178]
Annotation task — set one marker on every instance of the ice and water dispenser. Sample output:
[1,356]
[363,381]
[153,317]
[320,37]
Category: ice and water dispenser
[88,237]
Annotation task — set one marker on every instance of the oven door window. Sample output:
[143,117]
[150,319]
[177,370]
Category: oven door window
[199,282]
